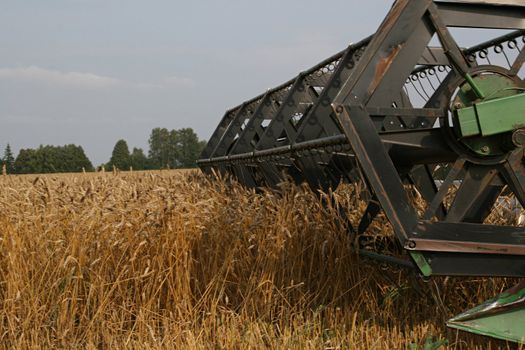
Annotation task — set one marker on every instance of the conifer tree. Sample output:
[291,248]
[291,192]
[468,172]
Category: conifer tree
[9,160]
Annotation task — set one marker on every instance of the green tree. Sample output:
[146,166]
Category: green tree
[190,148]
[48,160]
[75,159]
[160,148]
[26,162]
[120,156]
[52,159]
[9,160]
[174,149]
[139,161]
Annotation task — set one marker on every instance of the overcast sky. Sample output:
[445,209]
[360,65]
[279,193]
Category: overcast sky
[91,72]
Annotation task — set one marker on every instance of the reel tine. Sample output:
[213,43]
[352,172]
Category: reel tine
[513,172]
[475,196]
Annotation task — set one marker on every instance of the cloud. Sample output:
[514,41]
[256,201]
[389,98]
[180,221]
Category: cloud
[54,77]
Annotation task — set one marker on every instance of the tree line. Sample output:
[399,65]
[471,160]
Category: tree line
[168,149]
[46,159]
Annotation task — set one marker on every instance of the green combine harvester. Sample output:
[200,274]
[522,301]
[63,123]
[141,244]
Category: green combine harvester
[409,108]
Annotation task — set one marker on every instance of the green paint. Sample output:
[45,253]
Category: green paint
[474,87]
[419,259]
[493,116]
[502,317]
[468,122]
[485,125]
[422,263]
[508,297]
[430,344]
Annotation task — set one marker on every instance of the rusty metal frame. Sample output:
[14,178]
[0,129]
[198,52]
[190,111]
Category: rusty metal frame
[353,117]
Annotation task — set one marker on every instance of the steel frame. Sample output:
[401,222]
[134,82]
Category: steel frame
[352,116]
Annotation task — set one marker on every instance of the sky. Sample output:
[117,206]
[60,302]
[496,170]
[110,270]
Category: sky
[91,72]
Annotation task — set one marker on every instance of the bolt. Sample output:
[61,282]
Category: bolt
[425,279]
[485,149]
[411,244]
[518,137]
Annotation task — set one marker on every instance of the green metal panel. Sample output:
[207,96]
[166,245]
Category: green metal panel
[502,317]
[468,122]
[486,137]
[501,115]
[493,117]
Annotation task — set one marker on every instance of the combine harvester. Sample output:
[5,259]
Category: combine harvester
[389,111]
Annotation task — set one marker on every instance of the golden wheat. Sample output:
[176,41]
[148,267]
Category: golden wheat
[162,260]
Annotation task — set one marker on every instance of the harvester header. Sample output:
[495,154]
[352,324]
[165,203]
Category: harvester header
[408,108]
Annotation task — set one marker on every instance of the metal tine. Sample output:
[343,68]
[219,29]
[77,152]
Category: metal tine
[219,131]
[513,171]
[318,122]
[437,201]
[420,176]
[475,196]
[517,64]
[520,59]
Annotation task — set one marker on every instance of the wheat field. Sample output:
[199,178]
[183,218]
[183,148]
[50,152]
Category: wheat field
[170,259]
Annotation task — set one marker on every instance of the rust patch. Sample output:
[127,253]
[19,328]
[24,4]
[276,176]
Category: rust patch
[382,67]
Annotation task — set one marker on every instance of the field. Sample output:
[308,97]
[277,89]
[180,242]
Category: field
[169,259]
